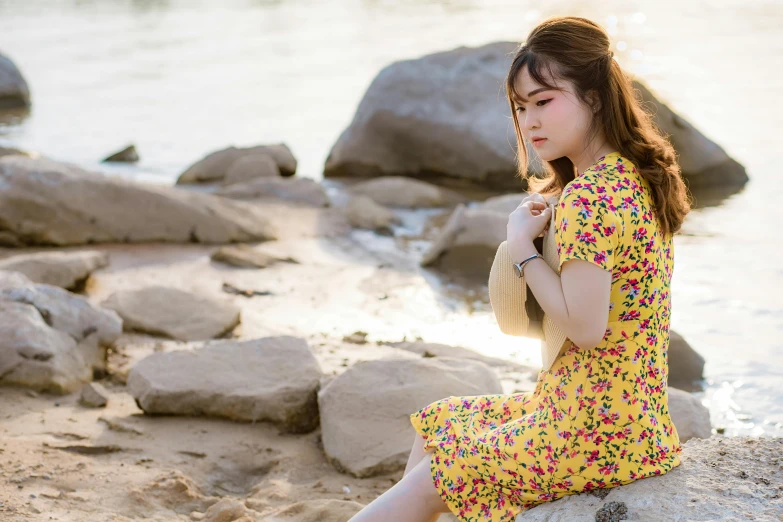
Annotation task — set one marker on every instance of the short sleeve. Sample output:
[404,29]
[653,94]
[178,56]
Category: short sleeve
[589,223]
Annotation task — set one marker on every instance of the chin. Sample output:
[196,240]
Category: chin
[547,156]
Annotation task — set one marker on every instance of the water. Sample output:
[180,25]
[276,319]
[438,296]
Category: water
[183,78]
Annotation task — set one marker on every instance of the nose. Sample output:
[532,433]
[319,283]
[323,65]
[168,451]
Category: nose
[531,121]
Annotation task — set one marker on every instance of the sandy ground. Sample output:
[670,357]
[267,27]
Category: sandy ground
[63,461]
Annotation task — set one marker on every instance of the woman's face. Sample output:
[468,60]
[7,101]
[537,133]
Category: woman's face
[558,117]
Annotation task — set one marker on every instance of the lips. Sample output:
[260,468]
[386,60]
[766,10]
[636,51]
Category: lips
[538,141]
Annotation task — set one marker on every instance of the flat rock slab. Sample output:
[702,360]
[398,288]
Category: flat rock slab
[272,379]
[63,269]
[719,479]
[365,411]
[399,191]
[50,203]
[245,256]
[173,313]
[295,190]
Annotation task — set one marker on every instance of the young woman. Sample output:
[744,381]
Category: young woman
[599,417]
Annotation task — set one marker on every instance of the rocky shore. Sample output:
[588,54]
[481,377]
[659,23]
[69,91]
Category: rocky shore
[230,348]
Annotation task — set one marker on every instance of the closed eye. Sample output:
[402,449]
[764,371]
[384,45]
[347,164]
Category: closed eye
[539,103]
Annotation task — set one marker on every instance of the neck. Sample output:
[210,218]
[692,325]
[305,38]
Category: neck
[589,156]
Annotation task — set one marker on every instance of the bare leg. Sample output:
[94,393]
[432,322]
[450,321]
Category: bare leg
[412,499]
[417,453]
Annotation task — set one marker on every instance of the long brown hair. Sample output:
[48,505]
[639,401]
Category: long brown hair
[579,50]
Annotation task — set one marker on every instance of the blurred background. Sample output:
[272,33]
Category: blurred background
[180,79]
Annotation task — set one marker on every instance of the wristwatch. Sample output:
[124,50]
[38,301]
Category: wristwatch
[521,265]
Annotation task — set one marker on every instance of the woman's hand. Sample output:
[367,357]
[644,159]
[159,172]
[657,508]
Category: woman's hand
[525,223]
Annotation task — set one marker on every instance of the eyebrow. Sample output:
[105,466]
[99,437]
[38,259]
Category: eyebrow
[533,92]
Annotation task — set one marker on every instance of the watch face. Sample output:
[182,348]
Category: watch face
[518,269]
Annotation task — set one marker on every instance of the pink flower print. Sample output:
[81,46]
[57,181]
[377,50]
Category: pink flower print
[608,469]
[586,237]
[621,167]
[639,234]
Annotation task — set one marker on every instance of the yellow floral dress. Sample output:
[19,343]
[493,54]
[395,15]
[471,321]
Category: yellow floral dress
[597,418]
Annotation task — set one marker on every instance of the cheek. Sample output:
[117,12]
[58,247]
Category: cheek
[561,114]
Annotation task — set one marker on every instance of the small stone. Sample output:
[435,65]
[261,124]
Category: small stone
[94,395]
[357,337]
[612,512]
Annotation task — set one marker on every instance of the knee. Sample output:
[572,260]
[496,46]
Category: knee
[423,483]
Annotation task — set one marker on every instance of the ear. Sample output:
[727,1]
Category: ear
[595,102]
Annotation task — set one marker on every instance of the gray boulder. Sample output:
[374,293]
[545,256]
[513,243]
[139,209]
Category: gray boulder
[51,339]
[49,203]
[295,190]
[686,365]
[445,115]
[399,191]
[250,167]
[690,416]
[173,313]
[214,166]
[719,479]
[363,212]
[441,115]
[703,162]
[273,379]
[365,411]
[64,269]
[14,91]
[466,245]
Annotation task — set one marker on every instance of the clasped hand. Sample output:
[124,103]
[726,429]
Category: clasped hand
[527,222]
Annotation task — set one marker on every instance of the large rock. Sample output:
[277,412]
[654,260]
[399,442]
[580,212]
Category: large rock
[446,115]
[272,379]
[686,365]
[51,339]
[363,212]
[398,191]
[160,310]
[14,91]
[690,416]
[458,352]
[365,411]
[298,190]
[250,167]
[49,203]
[466,245]
[64,269]
[214,166]
[726,479]
[443,114]
[703,162]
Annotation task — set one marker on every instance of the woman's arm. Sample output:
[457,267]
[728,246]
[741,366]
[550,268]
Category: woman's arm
[588,229]
[577,299]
